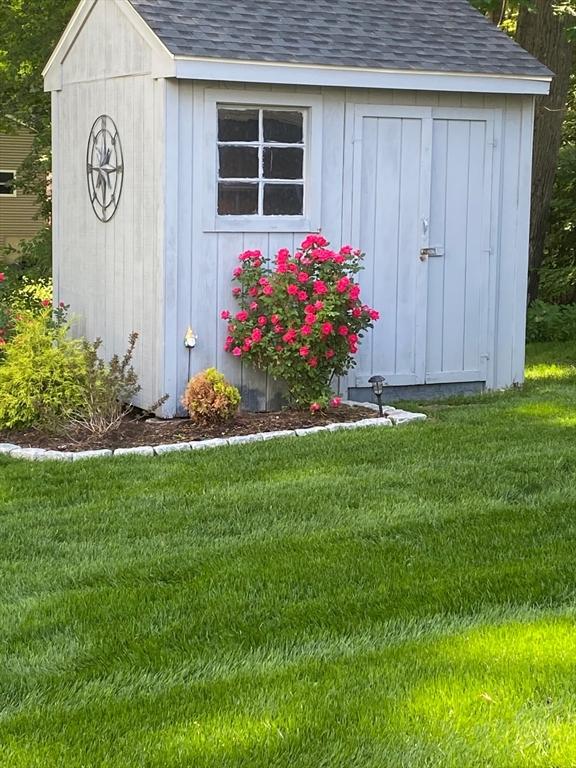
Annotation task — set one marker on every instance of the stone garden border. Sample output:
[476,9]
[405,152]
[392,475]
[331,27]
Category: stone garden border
[393,417]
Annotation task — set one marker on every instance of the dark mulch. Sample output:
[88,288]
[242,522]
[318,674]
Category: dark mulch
[134,431]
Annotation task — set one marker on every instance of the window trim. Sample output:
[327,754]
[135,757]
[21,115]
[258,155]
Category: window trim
[261,145]
[15,192]
[311,106]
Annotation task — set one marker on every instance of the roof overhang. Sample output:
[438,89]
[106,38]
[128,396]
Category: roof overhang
[167,65]
[354,77]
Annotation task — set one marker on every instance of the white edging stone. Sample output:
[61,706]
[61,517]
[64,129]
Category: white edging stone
[103,453]
[393,417]
[7,448]
[215,442]
[140,450]
[159,450]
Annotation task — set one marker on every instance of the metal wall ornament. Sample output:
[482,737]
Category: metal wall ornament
[104,168]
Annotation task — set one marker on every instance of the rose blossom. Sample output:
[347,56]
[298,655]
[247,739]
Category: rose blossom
[274,319]
[262,320]
[315,407]
[225,314]
[313,362]
[374,314]
[304,351]
[236,351]
[302,296]
[326,329]
[256,334]
[319,287]
[289,336]
[336,402]
[292,289]
[343,330]
[303,277]
[306,330]
[242,316]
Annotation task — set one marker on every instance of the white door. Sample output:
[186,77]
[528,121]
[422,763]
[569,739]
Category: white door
[421,202]
[457,304]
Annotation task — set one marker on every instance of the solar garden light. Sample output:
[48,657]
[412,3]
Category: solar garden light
[377,383]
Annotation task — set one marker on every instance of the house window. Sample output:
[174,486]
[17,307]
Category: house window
[261,161]
[7,183]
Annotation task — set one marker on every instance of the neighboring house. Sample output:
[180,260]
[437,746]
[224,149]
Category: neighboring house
[214,126]
[17,211]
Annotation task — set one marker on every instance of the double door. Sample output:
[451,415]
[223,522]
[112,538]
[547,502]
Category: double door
[421,190]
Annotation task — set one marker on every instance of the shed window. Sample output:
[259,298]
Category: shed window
[7,183]
[261,160]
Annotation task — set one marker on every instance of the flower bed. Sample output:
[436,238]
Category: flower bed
[158,436]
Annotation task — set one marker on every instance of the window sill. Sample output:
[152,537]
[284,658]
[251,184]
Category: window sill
[285,224]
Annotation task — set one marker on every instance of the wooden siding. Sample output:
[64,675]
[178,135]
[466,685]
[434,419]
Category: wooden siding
[17,214]
[112,274]
[201,261]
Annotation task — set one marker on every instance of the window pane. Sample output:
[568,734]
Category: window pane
[237,125]
[237,199]
[238,162]
[283,199]
[6,183]
[285,127]
[283,163]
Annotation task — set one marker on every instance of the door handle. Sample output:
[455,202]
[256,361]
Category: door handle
[435,252]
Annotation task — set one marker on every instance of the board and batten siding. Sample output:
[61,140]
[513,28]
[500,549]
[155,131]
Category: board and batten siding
[112,275]
[199,260]
[17,213]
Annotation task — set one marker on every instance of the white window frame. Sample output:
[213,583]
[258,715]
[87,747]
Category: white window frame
[311,106]
[15,192]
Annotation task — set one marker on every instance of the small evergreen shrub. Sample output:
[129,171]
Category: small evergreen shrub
[43,373]
[551,322]
[209,398]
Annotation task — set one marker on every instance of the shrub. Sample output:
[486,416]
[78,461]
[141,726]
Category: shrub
[302,319]
[107,388]
[551,322]
[209,398]
[42,376]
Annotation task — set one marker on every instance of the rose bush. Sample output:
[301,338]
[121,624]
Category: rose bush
[301,318]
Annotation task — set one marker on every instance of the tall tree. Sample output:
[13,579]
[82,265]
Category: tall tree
[545,29]
[30,30]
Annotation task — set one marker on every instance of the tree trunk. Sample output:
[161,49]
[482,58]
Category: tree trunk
[544,33]
[498,12]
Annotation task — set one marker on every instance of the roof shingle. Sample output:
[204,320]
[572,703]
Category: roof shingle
[414,35]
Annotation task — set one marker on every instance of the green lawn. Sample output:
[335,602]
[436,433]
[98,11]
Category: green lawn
[374,599]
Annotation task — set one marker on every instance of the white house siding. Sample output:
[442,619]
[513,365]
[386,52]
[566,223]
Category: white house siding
[112,274]
[199,262]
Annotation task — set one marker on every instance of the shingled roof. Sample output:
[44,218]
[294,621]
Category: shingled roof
[414,35]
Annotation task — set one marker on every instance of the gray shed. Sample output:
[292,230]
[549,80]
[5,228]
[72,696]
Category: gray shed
[186,131]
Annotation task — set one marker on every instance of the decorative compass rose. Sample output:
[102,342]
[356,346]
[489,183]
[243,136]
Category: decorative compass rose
[104,168]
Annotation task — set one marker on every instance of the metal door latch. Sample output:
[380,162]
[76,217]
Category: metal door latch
[426,253]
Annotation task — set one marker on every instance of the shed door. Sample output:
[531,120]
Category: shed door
[457,302]
[422,183]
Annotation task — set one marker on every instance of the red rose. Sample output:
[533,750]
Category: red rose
[242,316]
[262,320]
[343,330]
[327,329]
[302,296]
[319,287]
[292,289]
[304,351]
[236,351]
[225,314]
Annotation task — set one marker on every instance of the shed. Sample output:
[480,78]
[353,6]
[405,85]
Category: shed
[186,131]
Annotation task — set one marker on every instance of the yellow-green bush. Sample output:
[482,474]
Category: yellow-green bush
[209,398]
[43,373]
